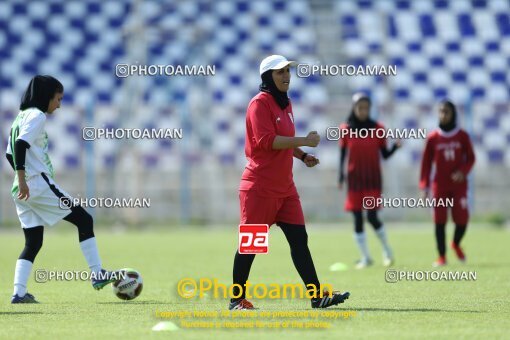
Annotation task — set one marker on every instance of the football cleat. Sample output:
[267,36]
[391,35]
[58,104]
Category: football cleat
[460,253]
[388,259]
[363,263]
[440,262]
[242,304]
[329,299]
[27,298]
[103,278]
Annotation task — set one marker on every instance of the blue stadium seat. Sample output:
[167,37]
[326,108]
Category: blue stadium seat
[453,46]
[427,25]
[441,4]
[436,61]
[420,77]
[402,94]
[459,77]
[466,26]
[503,20]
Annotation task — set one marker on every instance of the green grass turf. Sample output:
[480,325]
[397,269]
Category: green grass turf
[472,309]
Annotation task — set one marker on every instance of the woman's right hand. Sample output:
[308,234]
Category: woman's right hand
[313,139]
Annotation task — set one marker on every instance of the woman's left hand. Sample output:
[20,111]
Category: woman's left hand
[311,161]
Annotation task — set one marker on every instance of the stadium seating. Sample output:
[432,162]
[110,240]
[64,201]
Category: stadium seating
[454,49]
[80,42]
[441,48]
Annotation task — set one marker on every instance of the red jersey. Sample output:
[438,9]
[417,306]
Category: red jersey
[364,166]
[449,152]
[268,171]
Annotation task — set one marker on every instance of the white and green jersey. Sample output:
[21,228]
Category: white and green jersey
[29,126]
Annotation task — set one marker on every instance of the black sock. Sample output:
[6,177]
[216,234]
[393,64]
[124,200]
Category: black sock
[441,238]
[373,219]
[460,230]
[358,221]
[33,243]
[242,266]
[83,221]
[298,240]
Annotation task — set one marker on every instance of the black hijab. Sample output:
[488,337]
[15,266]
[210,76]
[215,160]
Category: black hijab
[353,121]
[39,92]
[269,86]
[452,124]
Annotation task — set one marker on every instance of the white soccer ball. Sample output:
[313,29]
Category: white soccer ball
[129,285]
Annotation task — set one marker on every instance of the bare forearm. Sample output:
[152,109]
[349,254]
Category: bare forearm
[21,175]
[298,153]
[282,142]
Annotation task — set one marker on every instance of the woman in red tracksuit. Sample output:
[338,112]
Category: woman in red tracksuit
[267,192]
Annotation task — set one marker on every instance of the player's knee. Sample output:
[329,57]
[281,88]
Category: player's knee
[440,226]
[302,238]
[297,237]
[460,222]
[460,217]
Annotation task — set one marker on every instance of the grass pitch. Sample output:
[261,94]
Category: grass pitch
[406,309]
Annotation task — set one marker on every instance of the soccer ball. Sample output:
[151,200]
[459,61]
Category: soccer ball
[129,285]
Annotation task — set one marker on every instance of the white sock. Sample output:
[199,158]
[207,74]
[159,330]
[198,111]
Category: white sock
[362,245]
[89,250]
[21,275]
[381,234]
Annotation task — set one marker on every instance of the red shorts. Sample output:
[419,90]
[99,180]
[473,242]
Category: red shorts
[354,201]
[267,210]
[460,209]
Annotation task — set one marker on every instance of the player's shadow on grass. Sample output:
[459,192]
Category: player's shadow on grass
[19,313]
[133,303]
[401,310]
[405,310]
